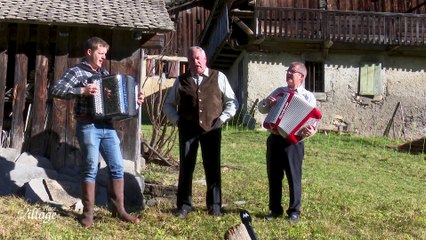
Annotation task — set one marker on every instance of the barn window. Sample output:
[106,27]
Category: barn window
[370,80]
[169,69]
[314,81]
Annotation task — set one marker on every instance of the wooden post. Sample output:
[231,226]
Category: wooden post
[59,107]
[125,58]
[19,89]
[76,38]
[38,116]
[402,120]
[138,161]
[4,33]
[388,127]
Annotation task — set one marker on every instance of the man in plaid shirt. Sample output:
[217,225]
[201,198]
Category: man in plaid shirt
[94,136]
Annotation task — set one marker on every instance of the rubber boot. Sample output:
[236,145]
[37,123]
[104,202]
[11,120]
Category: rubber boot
[117,202]
[88,200]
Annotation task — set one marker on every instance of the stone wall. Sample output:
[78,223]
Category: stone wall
[404,81]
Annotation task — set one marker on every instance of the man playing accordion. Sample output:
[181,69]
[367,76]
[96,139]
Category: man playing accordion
[94,135]
[283,156]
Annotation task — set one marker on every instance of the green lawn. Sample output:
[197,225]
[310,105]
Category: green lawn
[353,188]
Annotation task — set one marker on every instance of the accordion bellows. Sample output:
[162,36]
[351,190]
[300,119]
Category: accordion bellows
[290,114]
[117,99]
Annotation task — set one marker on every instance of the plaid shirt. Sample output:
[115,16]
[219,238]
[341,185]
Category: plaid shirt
[71,84]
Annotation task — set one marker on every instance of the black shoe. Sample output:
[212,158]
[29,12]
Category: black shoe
[181,213]
[273,215]
[215,212]
[293,218]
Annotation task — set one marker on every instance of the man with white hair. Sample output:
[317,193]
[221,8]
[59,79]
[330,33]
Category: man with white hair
[199,102]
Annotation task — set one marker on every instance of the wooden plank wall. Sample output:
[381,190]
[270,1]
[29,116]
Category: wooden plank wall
[57,147]
[288,3]
[63,142]
[19,89]
[38,140]
[400,6]
[45,126]
[4,33]
[126,62]
[189,23]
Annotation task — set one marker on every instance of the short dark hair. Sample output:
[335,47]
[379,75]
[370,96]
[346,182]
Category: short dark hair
[94,42]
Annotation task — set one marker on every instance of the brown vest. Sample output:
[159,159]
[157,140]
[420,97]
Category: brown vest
[202,104]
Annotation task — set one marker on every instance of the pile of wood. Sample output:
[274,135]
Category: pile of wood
[414,147]
[242,231]
[237,232]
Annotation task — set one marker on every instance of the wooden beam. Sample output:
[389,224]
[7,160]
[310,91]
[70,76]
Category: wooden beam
[20,86]
[242,13]
[38,117]
[4,33]
[185,5]
[416,7]
[152,41]
[126,58]
[229,55]
[326,46]
[220,65]
[392,48]
[57,136]
[243,26]
[225,60]
[167,58]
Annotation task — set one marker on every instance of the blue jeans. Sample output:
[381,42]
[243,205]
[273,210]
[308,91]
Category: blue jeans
[95,138]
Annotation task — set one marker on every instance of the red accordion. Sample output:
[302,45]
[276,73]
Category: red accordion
[290,114]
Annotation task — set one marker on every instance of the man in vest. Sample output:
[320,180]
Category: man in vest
[199,102]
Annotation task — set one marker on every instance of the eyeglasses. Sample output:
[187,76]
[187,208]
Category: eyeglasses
[292,71]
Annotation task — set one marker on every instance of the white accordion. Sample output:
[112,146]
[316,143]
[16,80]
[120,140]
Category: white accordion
[290,114]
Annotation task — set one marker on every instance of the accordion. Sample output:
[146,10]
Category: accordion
[117,99]
[290,114]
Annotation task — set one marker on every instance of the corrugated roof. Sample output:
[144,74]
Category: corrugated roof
[148,15]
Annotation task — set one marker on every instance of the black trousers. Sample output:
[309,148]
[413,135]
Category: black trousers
[190,137]
[282,159]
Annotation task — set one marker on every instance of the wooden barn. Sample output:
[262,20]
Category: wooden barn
[189,18]
[365,59]
[39,40]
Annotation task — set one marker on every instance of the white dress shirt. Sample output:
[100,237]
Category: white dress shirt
[229,99]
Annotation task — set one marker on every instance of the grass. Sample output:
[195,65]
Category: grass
[353,188]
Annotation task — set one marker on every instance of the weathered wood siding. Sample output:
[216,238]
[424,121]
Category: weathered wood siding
[189,24]
[19,89]
[399,6]
[38,56]
[288,3]
[4,31]
[128,62]
[343,26]
[38,145]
